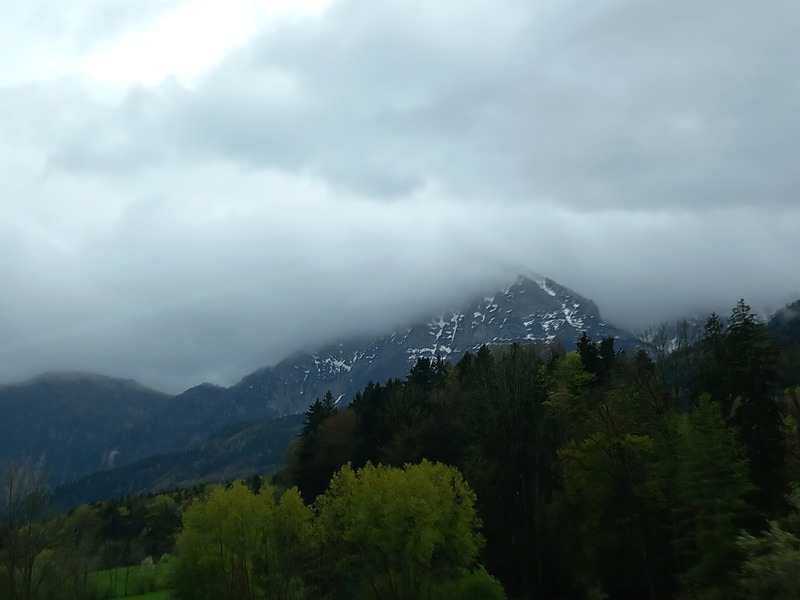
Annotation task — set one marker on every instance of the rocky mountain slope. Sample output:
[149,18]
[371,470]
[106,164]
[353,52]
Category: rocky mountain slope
[529,310]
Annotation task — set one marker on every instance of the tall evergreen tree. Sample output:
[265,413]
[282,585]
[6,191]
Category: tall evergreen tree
[309,475]
[589,353]
[739,368]
[752,369]
[710,373]
[319,411]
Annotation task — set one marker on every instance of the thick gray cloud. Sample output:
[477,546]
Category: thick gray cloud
[634,106]
[350,171]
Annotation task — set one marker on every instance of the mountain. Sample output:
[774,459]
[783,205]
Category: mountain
[236,452]
[79,424]
[785,325]
[74,423]
[528,310]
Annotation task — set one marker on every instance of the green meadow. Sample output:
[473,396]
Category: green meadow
[138,582]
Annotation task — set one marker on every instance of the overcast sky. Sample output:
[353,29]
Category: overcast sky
[192,189]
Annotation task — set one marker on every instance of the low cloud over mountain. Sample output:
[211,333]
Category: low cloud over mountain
[350,166]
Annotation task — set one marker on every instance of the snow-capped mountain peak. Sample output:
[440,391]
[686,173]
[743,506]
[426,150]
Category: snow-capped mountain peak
[530,309]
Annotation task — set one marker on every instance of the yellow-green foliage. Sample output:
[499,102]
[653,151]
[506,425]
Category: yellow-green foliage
[236,544]
[380,532]
[397,531]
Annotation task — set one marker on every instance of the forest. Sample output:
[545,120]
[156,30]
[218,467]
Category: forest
[519,472]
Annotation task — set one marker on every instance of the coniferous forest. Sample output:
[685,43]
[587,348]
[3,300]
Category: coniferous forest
[517,472]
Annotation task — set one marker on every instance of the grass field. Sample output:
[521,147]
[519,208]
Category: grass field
[136,582]
[159,595]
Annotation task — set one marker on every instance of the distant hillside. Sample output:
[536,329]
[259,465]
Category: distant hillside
[74,423]
[236,452]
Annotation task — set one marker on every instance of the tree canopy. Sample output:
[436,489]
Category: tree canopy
[400,532]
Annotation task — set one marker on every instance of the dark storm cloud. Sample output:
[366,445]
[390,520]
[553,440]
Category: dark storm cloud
[350,172]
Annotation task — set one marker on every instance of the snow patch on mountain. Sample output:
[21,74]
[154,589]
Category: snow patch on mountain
[542,283]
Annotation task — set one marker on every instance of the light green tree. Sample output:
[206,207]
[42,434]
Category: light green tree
[285,546]
[240,545]
[399,533]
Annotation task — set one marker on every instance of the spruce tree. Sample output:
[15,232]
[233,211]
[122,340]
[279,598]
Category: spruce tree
[753,377]
[319,411]
[589,353]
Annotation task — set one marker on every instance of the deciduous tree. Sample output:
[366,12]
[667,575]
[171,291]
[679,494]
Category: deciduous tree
[399,532]
[242,546]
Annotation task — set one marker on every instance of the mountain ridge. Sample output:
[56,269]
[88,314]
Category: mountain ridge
[525,311]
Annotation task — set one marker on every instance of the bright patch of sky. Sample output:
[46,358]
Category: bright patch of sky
[191,39]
